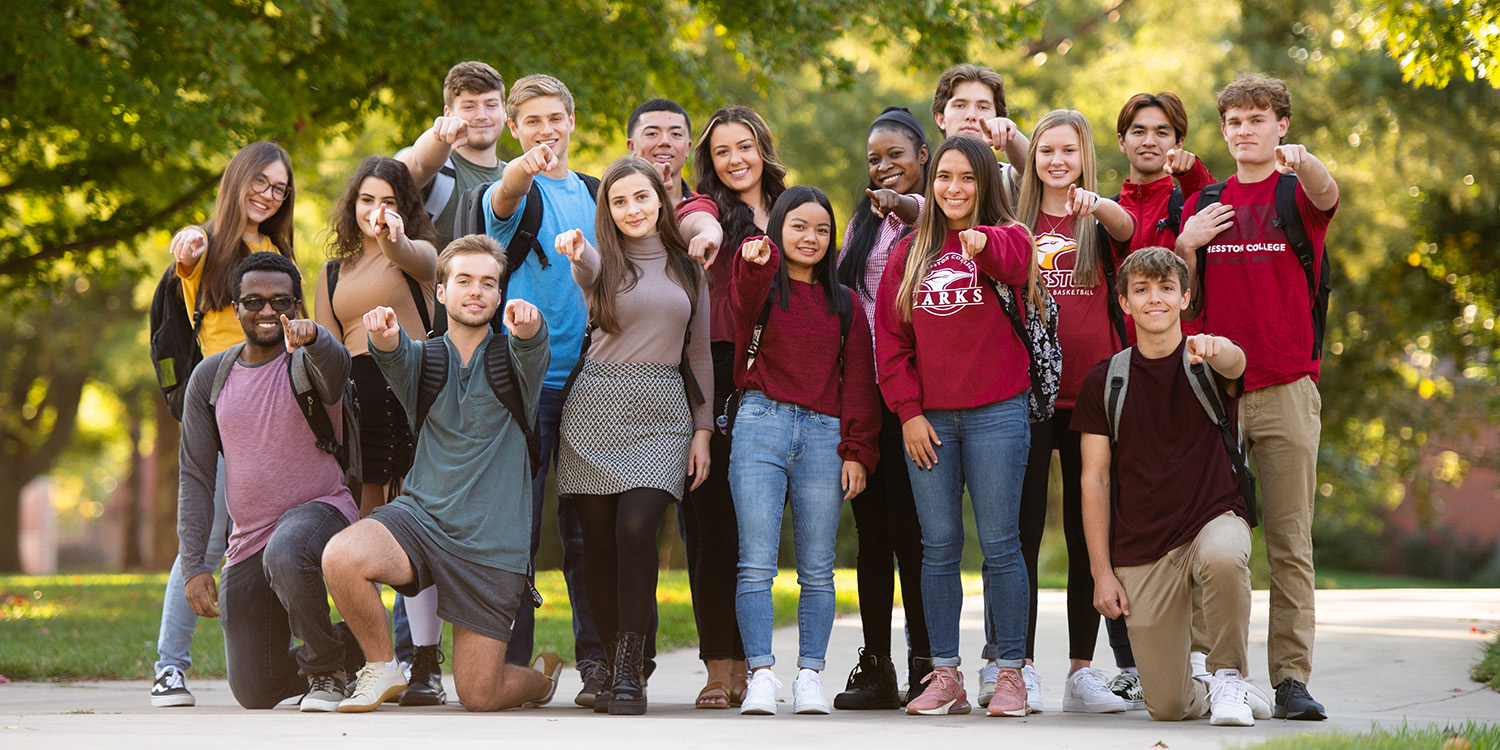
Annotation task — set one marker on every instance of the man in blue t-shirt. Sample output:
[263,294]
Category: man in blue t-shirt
[539,112]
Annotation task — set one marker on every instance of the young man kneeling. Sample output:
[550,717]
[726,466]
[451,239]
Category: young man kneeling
[1178,515]
[463,520]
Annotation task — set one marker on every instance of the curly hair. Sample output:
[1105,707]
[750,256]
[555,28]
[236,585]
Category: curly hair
[348,238]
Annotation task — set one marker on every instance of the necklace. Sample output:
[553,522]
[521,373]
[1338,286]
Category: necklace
[1047,224]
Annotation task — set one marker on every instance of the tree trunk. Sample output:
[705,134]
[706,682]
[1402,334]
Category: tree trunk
[133,495]
[162,549]
[10,518]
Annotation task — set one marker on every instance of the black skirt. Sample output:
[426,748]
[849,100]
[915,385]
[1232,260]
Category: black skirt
[384,438]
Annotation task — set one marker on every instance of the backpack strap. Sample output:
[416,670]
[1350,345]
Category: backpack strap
[583,353]
[1115,384]
[416,296]
[846,321]
[436,196]
[221,375]
[1207,392]
[312,408]
[430,379]
[1174,211]
[500,371]
[592,183]
[333,267]
[1107,265]
[1289,220]
[753,347]
[1206,197]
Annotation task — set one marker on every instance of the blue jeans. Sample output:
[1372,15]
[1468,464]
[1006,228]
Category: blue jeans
[586,643]
[174,642]
[985,449]
[785,452]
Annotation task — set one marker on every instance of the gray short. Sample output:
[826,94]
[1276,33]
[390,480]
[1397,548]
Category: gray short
[470,595]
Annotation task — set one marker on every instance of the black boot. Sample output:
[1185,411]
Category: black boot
[627,694]
[872,685]
[919,667]
[601,698]
[425,688]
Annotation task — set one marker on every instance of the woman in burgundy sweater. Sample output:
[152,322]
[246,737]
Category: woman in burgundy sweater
[806,431]
[954,371]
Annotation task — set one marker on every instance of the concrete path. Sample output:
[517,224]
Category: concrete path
[1383,657]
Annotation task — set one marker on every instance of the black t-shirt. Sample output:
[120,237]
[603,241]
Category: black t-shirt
[1173,470]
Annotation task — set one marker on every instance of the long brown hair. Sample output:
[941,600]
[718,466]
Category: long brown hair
[348,237]
[1087,269]
[990,210]
[226,227]
[736,216]
[617,273]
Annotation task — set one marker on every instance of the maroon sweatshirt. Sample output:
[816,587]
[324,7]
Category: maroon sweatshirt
[959,350]
[798,361]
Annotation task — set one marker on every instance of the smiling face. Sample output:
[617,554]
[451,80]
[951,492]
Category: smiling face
[661,137]
[805,236]
[543,119]
[483,112]
[262,204]
[1155,304]
[1059,158]
[634,205]
[972,103]
[263,327]
[737,159]
[1253,134]
[956,188]
[1147,140]
[894,164]
[373,193]
[471,293]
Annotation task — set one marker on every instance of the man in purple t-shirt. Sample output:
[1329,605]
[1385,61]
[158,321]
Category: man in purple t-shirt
[1177,518]
[285,496]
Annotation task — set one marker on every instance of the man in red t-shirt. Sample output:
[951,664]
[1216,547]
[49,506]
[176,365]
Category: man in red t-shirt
[1178,519]
[1256,292]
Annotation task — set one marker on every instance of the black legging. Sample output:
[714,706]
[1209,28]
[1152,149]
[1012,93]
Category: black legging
[885,518]
[718,562]
[619,556]
[1083,619]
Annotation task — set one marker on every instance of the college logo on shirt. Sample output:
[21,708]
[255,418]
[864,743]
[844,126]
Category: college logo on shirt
[1051,250]
[951,285]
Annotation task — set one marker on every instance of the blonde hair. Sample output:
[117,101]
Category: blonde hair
[1087,270]
[469,244]
[532,87]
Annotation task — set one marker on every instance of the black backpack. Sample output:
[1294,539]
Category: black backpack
[499,370]
[1288,220]
[174,340]
[417,296]
[1173,218]
[725,421]
[469,219]
[1107,264]
[347,452]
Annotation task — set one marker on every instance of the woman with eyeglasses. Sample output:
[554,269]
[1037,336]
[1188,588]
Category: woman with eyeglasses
[252,213]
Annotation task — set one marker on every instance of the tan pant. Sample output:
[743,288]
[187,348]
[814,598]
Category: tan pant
[1282,426]
[1160,619]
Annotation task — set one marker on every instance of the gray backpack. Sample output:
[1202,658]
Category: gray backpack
[1118,379]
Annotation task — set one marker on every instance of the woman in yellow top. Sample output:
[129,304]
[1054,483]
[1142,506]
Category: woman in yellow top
[253,212]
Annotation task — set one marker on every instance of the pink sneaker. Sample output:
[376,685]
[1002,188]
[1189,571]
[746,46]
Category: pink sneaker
[1010,694]
[944,694]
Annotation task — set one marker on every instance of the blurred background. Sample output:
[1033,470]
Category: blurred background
[116,120]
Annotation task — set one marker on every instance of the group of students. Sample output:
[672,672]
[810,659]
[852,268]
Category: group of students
[977,317]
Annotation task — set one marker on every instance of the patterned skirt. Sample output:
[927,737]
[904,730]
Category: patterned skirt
[625,425]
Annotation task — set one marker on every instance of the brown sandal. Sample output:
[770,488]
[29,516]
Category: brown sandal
[713,695]
[737,693]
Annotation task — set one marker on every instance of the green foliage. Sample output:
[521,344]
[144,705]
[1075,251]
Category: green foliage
[1468,736]
[1487,670]
[1435,40]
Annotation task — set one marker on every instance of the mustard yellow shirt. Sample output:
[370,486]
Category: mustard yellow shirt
[220,328]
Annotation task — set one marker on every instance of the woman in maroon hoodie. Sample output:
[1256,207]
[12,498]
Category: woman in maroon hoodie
[954,371]
[806,430]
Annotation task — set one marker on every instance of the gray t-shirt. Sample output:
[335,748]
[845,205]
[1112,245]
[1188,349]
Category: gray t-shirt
[469,486]
[466,174]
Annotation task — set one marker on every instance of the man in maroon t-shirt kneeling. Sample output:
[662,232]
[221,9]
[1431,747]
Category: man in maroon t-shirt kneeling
[1178,518]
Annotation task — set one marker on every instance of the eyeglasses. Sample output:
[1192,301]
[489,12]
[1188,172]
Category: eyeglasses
[263,186]
[280,303]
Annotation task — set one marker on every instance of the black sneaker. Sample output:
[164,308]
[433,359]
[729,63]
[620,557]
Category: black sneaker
[1294,702]
[920,667]
[425,686]
[170,689]
[872,685]
[595,676]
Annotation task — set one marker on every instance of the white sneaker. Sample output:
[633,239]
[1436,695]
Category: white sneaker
[760,693]
[1227,699]
[373,686]
[1085,692]
[1033,681]
[807,693]
[170,688]
[1127,685]
[1260,703]
[988,674]
[1199,661]
[904,680]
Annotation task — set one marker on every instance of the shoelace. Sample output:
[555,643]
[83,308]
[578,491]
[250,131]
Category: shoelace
[1012,678]
[1292,689]
[1126,683]
[1230,689]
[940,682]
[323,683]
[368,676]
[1092,679]
[171,677]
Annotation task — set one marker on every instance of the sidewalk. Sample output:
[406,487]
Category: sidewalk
[1383,657]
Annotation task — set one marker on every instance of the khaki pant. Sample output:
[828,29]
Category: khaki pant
[1282,426]
[1161,614]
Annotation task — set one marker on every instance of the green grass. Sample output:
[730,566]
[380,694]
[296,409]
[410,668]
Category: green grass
[1469,736]
[1487,670]
[1333,579]
[70,627]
